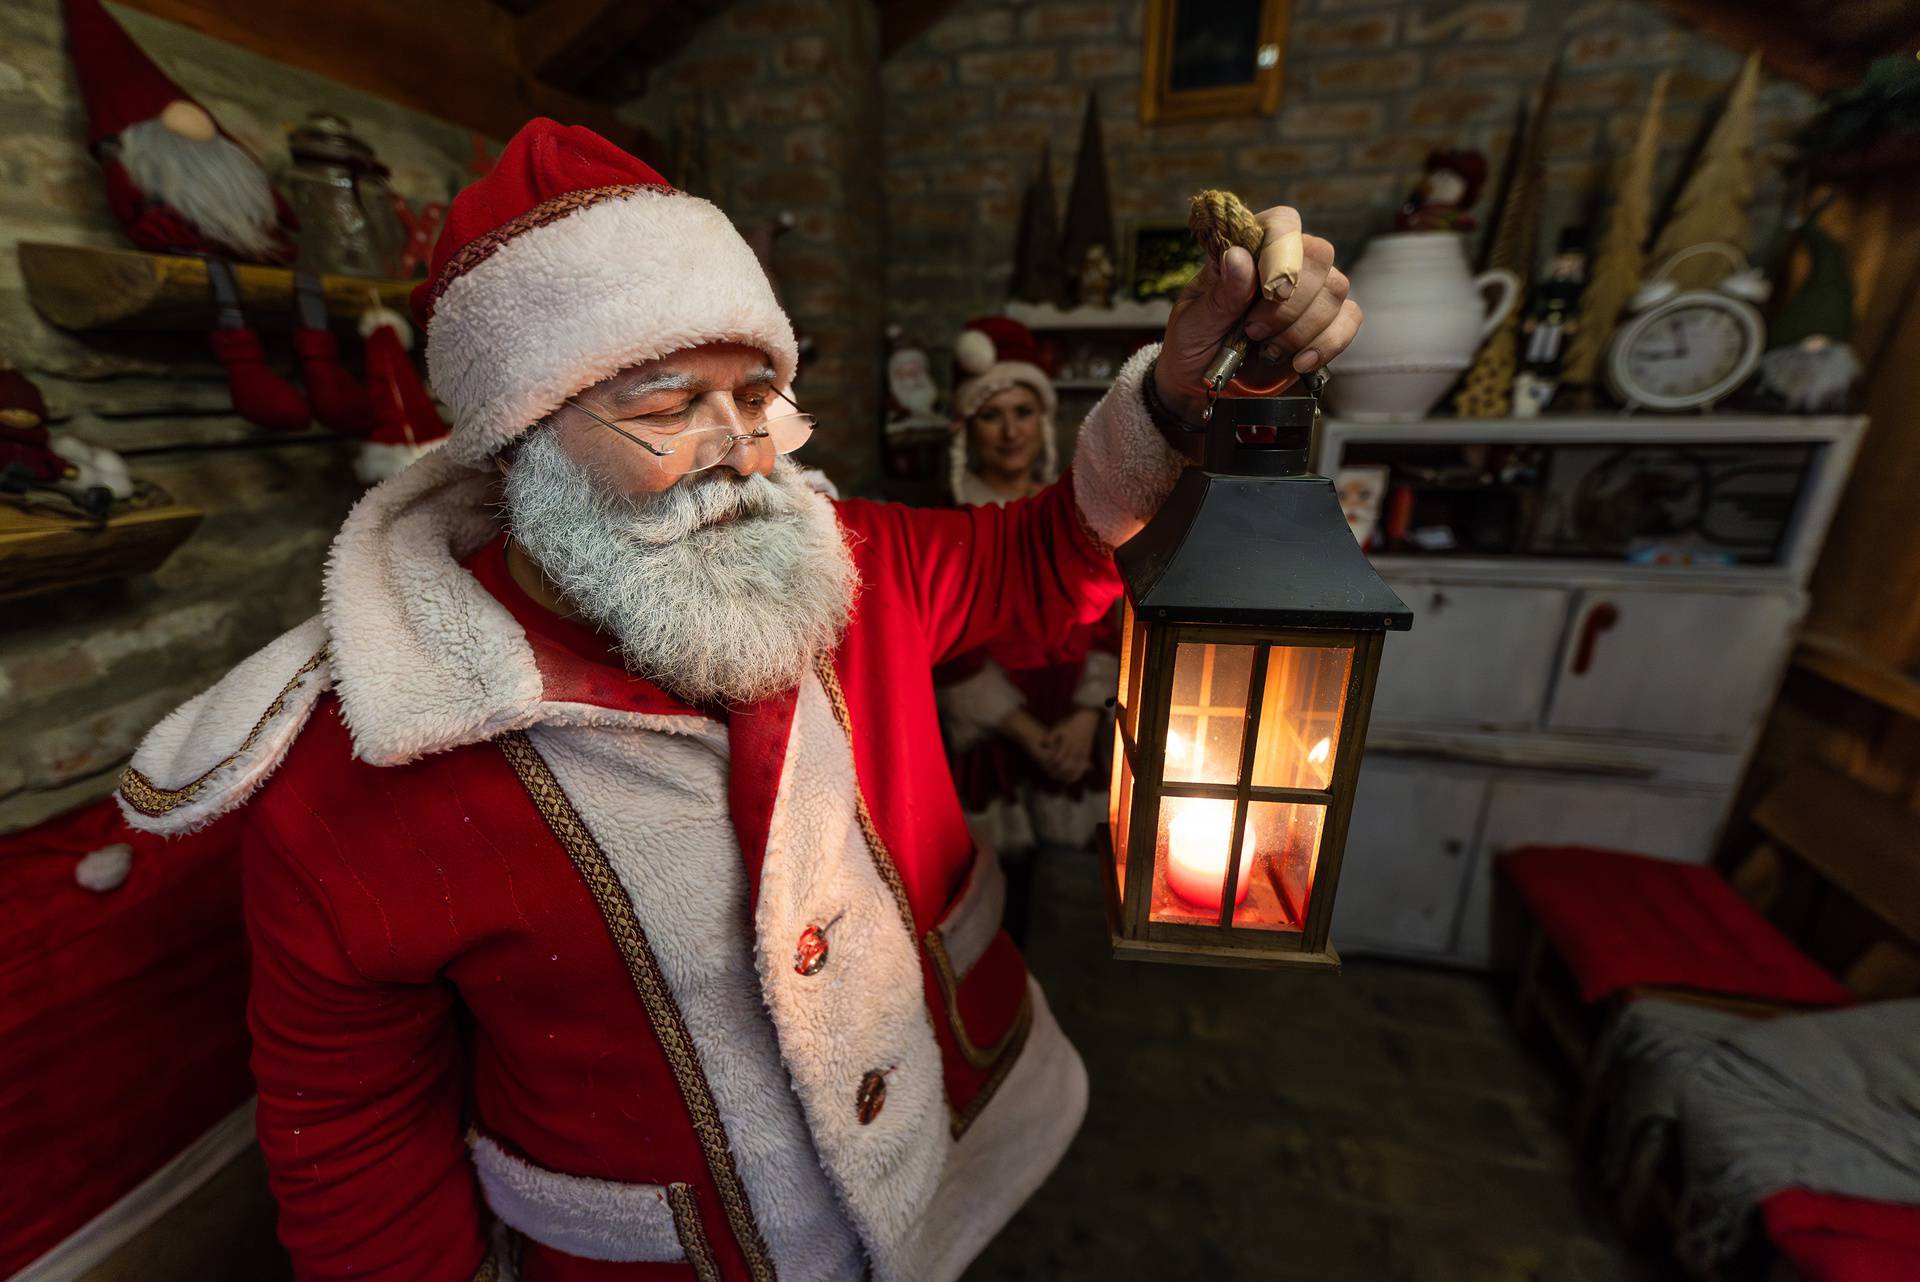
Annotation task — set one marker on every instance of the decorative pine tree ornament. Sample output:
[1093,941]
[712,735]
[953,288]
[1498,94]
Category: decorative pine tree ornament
[1038,276]
[1618,264]
[1089,222]
[1487,390]
[1717,200]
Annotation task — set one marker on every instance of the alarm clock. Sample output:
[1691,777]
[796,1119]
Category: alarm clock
[1682,351]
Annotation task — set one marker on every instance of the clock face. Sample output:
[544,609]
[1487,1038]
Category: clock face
[1686,352]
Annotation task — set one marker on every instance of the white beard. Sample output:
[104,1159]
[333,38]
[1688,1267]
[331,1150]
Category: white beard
[720,588]
[215,185]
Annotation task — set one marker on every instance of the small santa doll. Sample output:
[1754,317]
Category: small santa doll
[1447,191]
[406,424]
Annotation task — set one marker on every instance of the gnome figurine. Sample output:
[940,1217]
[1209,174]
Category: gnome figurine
[91,476]
[1446,192]
[1810,366]
[176,181]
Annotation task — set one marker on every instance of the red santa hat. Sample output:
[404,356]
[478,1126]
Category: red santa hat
[992,354]
[119,85]
[567,263]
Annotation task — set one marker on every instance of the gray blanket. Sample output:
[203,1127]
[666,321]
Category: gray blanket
[1827,1101]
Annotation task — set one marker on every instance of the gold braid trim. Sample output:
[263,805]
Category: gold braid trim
[693,1235]
[876,847]
[977,1056]
[1013,1043]
[489,1270]
[644,968]
[153,801]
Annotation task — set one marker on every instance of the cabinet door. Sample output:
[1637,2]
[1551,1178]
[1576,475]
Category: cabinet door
[1477,656]
[1406,860]
[1671,823]
[1695,665]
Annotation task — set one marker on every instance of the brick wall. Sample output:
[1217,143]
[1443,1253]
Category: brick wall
[773,106]
[1371,86]
[84,673]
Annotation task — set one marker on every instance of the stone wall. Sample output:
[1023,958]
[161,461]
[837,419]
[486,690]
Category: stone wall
[774,106]
[84,673]
[1371,86]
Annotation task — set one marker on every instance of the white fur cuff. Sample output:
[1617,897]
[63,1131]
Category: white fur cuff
[1123,468]
[971,709]
[1099,679]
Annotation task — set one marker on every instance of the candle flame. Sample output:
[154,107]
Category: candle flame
[1319,753]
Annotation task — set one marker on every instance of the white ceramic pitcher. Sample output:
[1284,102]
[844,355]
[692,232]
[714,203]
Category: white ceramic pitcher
[1425,318]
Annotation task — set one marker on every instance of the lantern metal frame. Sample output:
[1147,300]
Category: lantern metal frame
[1300,582]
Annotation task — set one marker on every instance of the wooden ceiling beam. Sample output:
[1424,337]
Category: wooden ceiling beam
[458,60]
[563,42]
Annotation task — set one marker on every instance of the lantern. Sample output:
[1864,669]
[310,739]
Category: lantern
[1252,627]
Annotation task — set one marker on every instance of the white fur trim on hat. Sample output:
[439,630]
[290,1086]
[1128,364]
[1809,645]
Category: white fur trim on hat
[971,395]
[376,317]
[563,305]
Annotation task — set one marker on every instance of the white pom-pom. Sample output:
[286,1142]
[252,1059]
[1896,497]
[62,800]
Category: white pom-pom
[374,317]
[104,869]
[974,351]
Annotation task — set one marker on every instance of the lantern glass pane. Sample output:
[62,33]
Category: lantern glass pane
[1127,650]
[1190,873]
[1208,713]
[1284,838]
[1300,709]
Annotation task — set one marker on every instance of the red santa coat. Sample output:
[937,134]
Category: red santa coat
[499,975]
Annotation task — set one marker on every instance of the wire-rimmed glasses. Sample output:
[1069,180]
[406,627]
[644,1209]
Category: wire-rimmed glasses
[685,452]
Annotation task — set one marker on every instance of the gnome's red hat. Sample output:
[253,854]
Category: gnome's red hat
[570,261]
[405,422]
[119,84]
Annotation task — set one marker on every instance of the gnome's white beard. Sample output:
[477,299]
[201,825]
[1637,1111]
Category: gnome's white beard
[720,588]
[215,184]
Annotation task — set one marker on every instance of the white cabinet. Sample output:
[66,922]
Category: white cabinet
[1409,845]
[1686,664]
[1672,823]
[1557,699]
[1467,660]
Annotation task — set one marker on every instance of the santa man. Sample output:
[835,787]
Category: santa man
[612,913]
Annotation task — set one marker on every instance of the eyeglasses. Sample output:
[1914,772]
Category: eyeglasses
[683,453]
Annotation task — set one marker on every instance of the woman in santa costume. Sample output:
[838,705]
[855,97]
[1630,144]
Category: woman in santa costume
[612,914]
[1020,715]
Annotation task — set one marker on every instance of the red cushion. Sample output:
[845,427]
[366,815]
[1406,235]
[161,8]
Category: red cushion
[1621,920]
[122,1018]
[1828,1238]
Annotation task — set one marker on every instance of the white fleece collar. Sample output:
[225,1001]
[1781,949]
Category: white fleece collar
[424,659]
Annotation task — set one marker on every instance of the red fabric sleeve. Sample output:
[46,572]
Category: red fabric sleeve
[1027,569]
[360,1097]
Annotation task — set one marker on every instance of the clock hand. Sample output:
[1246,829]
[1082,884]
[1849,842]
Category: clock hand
[1679,335]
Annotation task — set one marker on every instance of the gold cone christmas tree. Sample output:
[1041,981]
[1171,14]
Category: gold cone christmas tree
[1616,268]
[1487,390]
[1715,203]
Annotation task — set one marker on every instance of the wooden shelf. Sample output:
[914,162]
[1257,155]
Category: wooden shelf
[83,287]
[42,553]
[1871,677]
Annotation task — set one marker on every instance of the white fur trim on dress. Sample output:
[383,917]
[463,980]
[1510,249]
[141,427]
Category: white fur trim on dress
[650,800]
[562,306]
[864,1011]
[106,868]
[1123,469]
[1002,824]
[1099,680]
[972,709]
[593,1219]
[211,753]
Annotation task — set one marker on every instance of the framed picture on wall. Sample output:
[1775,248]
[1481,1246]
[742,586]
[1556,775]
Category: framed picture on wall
[1163,257]
[1211,58]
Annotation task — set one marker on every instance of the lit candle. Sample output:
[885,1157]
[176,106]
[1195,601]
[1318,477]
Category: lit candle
[1198,836]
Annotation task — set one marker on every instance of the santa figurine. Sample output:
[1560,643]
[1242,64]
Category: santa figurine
[612,914]
[176,181]
[1445,194]
[406,423]
[91,477]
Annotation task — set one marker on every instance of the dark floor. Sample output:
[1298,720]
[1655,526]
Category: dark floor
[1378,1126]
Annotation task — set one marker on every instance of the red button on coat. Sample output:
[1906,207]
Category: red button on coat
[811,953]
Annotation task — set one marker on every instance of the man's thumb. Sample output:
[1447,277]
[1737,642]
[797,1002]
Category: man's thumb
[1232,287]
